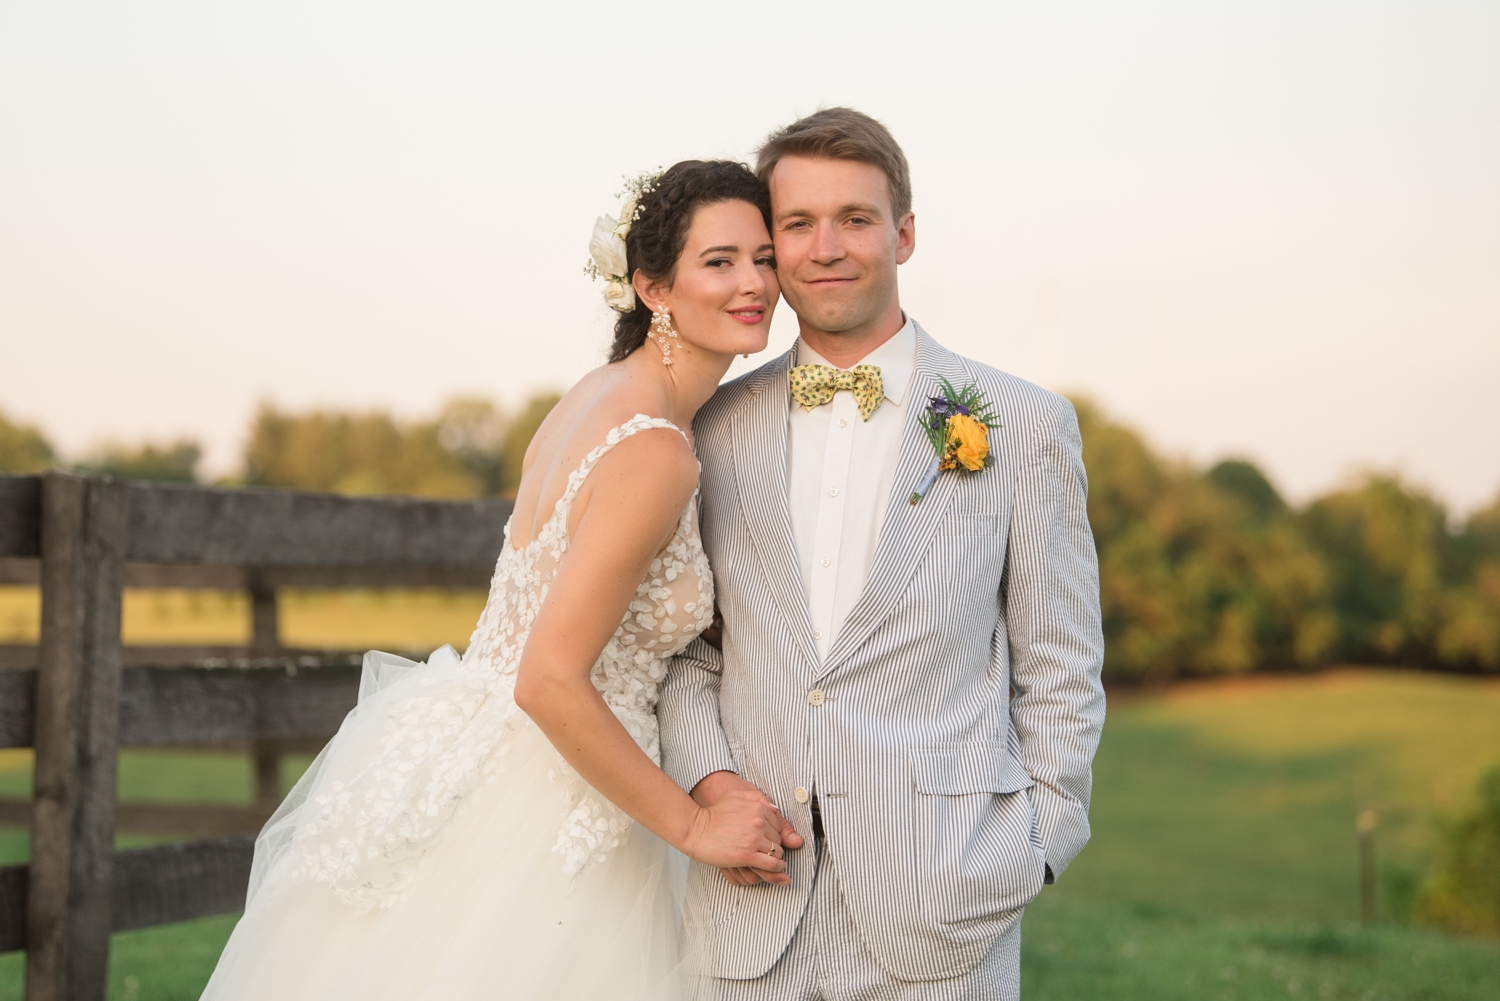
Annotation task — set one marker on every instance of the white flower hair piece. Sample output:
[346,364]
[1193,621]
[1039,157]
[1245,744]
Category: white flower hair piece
[607,245]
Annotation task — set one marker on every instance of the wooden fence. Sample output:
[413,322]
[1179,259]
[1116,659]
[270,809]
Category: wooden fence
[79,695]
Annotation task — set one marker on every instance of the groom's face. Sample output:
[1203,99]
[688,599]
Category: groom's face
[837,243]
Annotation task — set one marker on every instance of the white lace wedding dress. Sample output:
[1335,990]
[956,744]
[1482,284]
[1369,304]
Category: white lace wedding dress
[440,849]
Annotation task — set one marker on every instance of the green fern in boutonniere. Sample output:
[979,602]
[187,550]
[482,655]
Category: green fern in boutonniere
[958,424]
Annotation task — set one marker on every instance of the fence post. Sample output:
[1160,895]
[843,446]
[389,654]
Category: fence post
[68,912]
[1365,822]
[265,641]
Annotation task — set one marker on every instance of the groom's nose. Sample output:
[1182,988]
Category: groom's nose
[827,247]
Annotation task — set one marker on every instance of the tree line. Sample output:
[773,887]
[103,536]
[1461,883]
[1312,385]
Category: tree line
[1203,571]
[471,448]
[1211,571]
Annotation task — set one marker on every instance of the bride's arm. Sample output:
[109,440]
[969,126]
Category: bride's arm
[632,501]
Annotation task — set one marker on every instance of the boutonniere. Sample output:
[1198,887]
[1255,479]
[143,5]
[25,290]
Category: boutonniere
[958,424]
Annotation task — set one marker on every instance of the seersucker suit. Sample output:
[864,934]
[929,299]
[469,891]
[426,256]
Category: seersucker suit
[950,750]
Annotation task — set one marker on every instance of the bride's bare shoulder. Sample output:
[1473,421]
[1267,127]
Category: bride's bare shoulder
[603,400]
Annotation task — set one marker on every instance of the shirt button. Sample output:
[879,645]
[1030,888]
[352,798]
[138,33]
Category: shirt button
[817,634]
[815,697]
[800,794]
[825,561]
[834,492]
[843,423]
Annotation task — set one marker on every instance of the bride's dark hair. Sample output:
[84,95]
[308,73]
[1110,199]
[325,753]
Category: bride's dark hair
[657,238]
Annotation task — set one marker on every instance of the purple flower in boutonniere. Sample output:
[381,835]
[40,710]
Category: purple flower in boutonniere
[958,424]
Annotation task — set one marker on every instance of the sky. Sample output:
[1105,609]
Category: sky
[1268,231]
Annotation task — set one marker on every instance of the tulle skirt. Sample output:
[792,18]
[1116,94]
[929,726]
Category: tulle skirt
[492,915]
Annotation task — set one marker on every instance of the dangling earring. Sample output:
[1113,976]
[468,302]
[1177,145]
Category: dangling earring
[664,332]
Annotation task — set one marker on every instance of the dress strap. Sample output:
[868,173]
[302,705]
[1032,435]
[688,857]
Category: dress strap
[636,424]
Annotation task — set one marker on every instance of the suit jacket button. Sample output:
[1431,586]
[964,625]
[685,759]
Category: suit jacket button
[800,794]
[815,697]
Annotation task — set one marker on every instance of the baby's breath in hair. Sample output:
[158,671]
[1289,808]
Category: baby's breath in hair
[637,188]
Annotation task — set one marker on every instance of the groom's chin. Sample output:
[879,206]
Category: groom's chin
[832,310]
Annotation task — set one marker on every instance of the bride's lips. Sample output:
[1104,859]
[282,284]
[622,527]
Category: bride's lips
[750,315]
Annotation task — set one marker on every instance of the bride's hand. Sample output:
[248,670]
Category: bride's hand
[741,829]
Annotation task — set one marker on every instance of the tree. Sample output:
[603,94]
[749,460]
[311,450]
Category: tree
[1463,894]
[473,431]
[368,453]
[23,449]
[471,449]
[1198,573]
[1241,480]
[1469,609]
[176,462]
[1384,546]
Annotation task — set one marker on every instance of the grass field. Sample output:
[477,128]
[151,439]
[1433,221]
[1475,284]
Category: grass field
[1223,864]
[398,620]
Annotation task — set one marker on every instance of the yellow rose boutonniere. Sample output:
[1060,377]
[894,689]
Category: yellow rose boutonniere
[958,424]
[968,444]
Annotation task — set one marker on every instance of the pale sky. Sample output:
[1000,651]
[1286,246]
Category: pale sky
[1268,230]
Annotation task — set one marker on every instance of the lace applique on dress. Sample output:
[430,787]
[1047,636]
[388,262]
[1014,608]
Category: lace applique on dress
[365,834]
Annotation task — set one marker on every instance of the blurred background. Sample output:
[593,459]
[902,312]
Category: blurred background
[340,247]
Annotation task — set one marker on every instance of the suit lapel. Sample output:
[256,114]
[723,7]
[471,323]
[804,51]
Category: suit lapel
[761,474]
[908,528]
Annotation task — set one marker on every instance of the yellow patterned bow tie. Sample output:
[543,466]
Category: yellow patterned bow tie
[814,385]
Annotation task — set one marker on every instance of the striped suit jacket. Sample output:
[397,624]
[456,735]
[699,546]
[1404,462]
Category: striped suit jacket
[950,749]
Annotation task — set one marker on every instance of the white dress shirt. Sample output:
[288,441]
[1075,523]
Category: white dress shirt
[841,471]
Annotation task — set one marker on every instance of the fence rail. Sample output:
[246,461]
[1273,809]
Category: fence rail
[148,886]
[78,695]
[163,706]
[235,578]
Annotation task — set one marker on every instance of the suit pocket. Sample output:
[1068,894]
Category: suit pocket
[973,820]
[966,561]
[972,522]
[958,769]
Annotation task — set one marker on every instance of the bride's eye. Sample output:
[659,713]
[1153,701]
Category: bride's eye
[719,262]
[766,262]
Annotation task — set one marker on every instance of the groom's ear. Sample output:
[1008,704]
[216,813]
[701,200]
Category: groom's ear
[906,237]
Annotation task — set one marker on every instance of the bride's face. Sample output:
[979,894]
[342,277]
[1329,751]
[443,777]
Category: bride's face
[725,287]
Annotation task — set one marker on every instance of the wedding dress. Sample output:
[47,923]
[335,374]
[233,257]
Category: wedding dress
[440,849]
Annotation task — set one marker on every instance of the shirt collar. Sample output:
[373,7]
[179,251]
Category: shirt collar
[896,358]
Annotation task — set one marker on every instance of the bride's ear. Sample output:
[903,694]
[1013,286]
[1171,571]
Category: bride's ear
[650,293]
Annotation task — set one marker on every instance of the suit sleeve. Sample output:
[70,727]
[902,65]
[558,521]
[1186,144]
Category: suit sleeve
[693,744]
[1055,633]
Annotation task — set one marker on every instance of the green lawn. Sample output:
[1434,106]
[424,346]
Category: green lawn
[1076,948]
[1223,864]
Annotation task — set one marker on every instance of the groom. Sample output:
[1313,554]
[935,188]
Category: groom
[916,685]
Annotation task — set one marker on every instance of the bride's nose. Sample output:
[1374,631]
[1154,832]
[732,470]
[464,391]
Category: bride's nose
[752,281]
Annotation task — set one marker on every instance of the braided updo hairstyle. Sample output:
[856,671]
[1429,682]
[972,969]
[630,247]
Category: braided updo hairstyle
[657,238]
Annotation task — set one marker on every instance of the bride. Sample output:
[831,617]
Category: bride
[497,826]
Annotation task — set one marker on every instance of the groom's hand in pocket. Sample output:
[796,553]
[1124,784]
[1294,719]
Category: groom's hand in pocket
[714,787]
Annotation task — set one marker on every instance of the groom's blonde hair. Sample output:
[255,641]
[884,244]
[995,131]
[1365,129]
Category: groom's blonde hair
[841,134]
